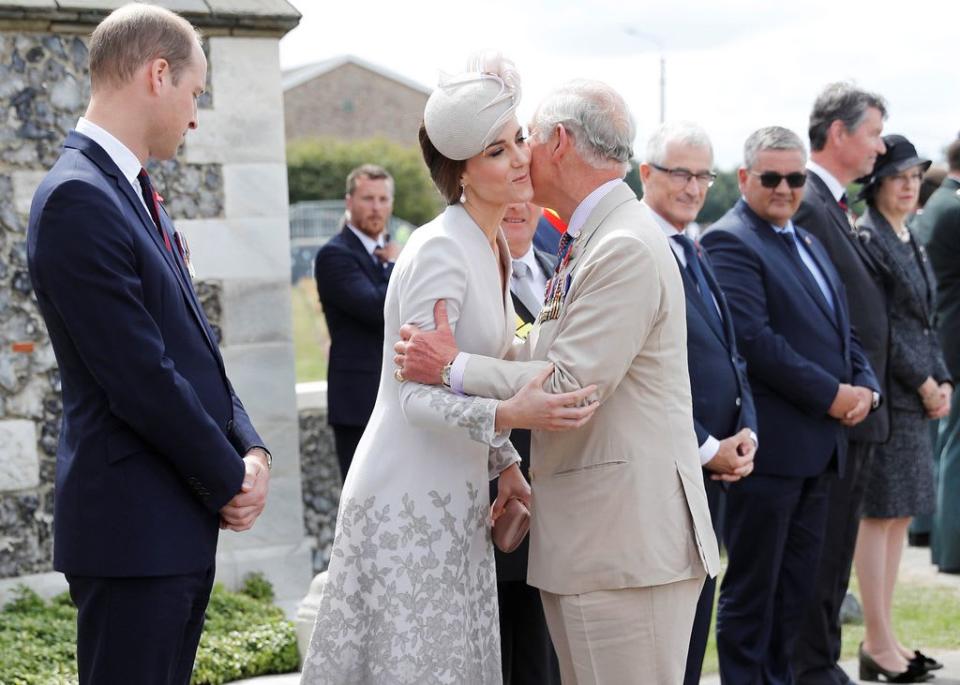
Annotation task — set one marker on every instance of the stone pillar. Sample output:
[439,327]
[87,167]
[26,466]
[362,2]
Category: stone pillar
[227,192]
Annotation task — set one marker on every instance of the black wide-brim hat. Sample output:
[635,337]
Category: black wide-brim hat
[900,156]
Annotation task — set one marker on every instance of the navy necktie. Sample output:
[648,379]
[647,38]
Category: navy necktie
[696,269]
[790,239]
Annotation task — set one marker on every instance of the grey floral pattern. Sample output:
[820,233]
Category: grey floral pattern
[411,594]
[500,458]
[474,414]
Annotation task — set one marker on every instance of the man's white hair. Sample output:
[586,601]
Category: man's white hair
[682,132]
[596,117]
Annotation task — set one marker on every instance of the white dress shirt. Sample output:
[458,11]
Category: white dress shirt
[121,155]
[833,185]
[369,244]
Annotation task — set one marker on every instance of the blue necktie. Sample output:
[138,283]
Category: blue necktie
[695,268]
[790,239]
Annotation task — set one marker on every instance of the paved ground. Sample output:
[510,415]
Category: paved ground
[915,567]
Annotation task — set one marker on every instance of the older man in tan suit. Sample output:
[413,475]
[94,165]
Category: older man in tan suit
[621,539]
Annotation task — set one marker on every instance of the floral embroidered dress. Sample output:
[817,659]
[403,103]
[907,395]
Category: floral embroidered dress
[411,593]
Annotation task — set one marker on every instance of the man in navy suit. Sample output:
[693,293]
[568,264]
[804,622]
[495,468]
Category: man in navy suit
[810,379]
[352,270]
[156,451]
[845,138]
[676,176]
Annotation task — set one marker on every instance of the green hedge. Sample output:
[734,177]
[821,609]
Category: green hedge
[244,636]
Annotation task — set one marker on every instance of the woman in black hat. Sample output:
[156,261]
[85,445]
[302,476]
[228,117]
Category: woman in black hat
[900,476]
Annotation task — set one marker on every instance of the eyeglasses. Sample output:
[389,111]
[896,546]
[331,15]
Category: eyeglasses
[682,177]
[771,179]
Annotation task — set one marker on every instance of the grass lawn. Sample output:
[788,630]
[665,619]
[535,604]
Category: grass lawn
[924,616]
[311,341]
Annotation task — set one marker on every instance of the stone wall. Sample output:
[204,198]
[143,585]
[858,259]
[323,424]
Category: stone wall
[351,102]
[320,474]
[227,193]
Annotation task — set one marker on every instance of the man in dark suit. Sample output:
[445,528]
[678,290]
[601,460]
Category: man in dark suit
[941,222]
[845,128]
[527,655]
[676,176]
[156,451]
[810,379]
[352,272]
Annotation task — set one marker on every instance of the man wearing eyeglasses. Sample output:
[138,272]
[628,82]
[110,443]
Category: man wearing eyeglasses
[810,379]
[676,176]
[845,138]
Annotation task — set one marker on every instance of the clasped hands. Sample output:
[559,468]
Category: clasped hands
[734,457]
[851,404]
[936,398]
[421,356]
[241,512]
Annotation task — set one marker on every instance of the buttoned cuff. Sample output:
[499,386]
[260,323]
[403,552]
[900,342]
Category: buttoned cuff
[457,368]
[709,449]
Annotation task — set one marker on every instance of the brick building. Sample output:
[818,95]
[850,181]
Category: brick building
[348,98]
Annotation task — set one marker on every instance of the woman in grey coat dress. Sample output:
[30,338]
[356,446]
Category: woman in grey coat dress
[900,477]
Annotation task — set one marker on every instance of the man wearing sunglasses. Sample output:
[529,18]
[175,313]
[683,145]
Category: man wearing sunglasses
[676,176]
[845,138]
[810,379]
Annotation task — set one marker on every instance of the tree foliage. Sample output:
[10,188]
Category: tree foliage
[317,170]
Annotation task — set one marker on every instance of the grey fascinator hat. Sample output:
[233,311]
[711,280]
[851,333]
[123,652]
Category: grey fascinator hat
[466,111]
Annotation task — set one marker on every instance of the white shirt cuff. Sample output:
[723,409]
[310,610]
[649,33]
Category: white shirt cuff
[709,449]
[456,372]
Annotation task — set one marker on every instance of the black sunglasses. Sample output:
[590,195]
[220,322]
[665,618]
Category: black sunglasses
[771,179]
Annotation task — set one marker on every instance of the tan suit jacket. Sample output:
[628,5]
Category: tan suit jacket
[620,502]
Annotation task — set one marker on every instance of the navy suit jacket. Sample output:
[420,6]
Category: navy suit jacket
[722,401]
[352,291]
[865,279]
[153,435]
[797,349]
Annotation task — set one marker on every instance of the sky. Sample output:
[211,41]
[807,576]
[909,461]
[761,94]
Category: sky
[732,66]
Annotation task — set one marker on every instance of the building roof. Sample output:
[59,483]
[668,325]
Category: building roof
[300,75]
[230,16]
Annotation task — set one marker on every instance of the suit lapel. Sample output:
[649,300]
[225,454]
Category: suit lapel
[803,275]
[99,157]
[838,314]
[888,242]
[842,223]
[525,315]
[363,257]
[546,261]
[728,333]
[693,299]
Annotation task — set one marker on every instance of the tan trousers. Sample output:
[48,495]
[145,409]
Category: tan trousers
[634,636]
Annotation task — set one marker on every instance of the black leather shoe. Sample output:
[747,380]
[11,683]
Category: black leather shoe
[918,539]
[925,662]
[873,672]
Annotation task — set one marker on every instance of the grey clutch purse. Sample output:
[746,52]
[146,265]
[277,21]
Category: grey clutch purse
[511,528]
